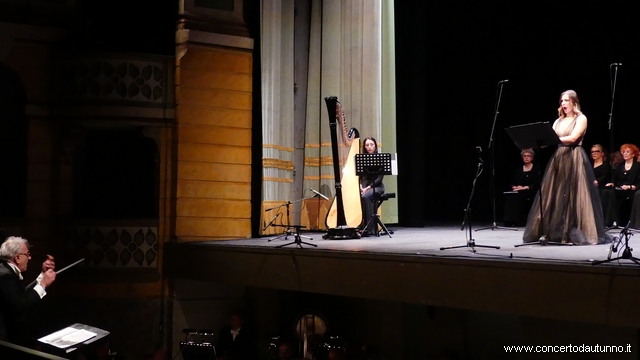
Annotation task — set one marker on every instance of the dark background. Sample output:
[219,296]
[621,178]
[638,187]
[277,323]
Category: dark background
[450,57]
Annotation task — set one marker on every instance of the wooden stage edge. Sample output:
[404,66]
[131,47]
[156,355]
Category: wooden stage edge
[530,280]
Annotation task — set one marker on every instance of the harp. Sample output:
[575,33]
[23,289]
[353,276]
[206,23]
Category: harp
[345,213]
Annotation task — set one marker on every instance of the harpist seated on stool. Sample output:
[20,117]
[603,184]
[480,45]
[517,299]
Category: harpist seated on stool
[367,185]
[619,193]
[524,183]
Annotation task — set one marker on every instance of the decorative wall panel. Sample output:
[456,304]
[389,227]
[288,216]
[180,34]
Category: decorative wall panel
[114,79]
[116,247]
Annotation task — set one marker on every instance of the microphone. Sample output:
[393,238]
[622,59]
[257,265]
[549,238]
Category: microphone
[272,221]
[319,194]
[616,64]
[502,81]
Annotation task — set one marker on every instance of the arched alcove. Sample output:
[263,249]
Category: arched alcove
[13,144]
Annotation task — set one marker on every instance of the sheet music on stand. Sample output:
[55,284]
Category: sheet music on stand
[72,337]
[394,165]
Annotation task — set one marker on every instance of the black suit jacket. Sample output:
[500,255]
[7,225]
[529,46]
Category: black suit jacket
[15,302]
[242,348]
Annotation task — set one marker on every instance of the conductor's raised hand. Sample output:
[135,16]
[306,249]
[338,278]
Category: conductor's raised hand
[48,277]
[48,264]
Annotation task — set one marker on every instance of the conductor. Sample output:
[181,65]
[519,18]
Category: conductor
[16,300]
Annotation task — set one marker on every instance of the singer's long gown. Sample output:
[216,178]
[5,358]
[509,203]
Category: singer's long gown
[571,207]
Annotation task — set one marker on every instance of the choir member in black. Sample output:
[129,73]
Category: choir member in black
[625,180]
[369,183]
[635,211]
[524,182]
[601,167]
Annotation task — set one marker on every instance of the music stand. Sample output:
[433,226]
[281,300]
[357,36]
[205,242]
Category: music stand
[374,164]
[71,338]
[529,136]
[197,350]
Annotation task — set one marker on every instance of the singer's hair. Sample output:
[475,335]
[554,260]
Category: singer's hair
[573,97]
[634,149]
[603,151]
[364,148]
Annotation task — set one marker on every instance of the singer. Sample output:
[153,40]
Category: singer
[367,185]
[571,208]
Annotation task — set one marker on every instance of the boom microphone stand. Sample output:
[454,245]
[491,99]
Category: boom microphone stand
[613,95]
[471,243]
[626,253]
[289,229]
[492,178]
[611,137]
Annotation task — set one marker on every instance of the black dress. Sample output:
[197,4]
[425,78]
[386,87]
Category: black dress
[369,201]
[617,202]
[635,211]
[602,173]
[571,207]
[517,204]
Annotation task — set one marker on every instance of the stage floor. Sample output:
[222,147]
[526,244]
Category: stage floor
[411,268]
[428,241]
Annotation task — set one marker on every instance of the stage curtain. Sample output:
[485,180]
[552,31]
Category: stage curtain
[277,104]
[345,60]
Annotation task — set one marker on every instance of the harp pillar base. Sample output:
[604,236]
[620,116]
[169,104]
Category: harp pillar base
[342,233]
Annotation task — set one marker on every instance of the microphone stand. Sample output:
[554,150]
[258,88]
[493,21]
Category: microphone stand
[289,228]
[492,177]
[471,243]
[613,94]
[626,253]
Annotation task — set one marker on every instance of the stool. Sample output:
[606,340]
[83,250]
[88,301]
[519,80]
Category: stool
[379,199]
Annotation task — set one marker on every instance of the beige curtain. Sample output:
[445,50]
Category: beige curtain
[277,105]
[345,60]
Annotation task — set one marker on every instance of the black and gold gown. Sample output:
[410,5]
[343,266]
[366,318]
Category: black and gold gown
[571,207]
